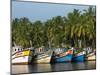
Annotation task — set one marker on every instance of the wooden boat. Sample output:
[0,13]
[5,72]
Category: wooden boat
[42,56]
[21,56]
[65,56]
[78,55]
[91,56]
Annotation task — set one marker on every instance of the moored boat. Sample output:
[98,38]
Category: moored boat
[79,55]
[91,56]
[42,56]
[21,56]
[65,56]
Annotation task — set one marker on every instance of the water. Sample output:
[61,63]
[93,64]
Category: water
[37,68]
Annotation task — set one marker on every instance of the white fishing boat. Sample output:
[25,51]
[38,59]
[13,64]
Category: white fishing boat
[21,56]
[43,56]
[91,56]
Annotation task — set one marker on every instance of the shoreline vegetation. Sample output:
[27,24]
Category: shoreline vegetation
[76,29]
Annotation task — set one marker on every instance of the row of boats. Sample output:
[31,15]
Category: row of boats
[50,55]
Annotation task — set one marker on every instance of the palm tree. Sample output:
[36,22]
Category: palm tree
[37,33]
[77,29]
[89,16]
[20,35]
[73,20]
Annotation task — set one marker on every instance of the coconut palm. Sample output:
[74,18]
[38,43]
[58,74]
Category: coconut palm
[77,29]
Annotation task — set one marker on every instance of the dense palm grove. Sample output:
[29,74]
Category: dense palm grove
[77,29]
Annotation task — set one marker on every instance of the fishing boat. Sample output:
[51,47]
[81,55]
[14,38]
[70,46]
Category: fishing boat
[21,56]
[64,56]
[78,56]
[91,56]
[42,56]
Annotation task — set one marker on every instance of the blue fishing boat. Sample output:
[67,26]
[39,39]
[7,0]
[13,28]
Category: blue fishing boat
[64,56]
[78,56]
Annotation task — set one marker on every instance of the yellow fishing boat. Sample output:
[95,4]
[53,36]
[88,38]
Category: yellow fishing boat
[21,56]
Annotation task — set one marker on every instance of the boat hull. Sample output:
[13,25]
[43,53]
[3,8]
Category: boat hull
[22,60]
[22,57]
[66,58]
[43,58]
[91,58]
[63,57]
[79,58]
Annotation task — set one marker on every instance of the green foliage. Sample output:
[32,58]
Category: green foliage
[77,26]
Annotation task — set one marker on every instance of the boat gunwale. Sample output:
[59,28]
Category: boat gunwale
[21,56]
[21,51]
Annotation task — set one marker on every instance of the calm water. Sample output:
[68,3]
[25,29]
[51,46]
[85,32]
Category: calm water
[53,67]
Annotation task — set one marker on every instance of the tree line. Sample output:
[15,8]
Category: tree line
[77,29]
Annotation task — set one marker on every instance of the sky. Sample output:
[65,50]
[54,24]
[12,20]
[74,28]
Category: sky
[42,11]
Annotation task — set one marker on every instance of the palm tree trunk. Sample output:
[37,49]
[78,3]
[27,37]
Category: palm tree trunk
[80,43]
[31,43]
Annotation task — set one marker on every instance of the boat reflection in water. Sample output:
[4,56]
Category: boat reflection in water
[16,69]
[40,68]
[36,68]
